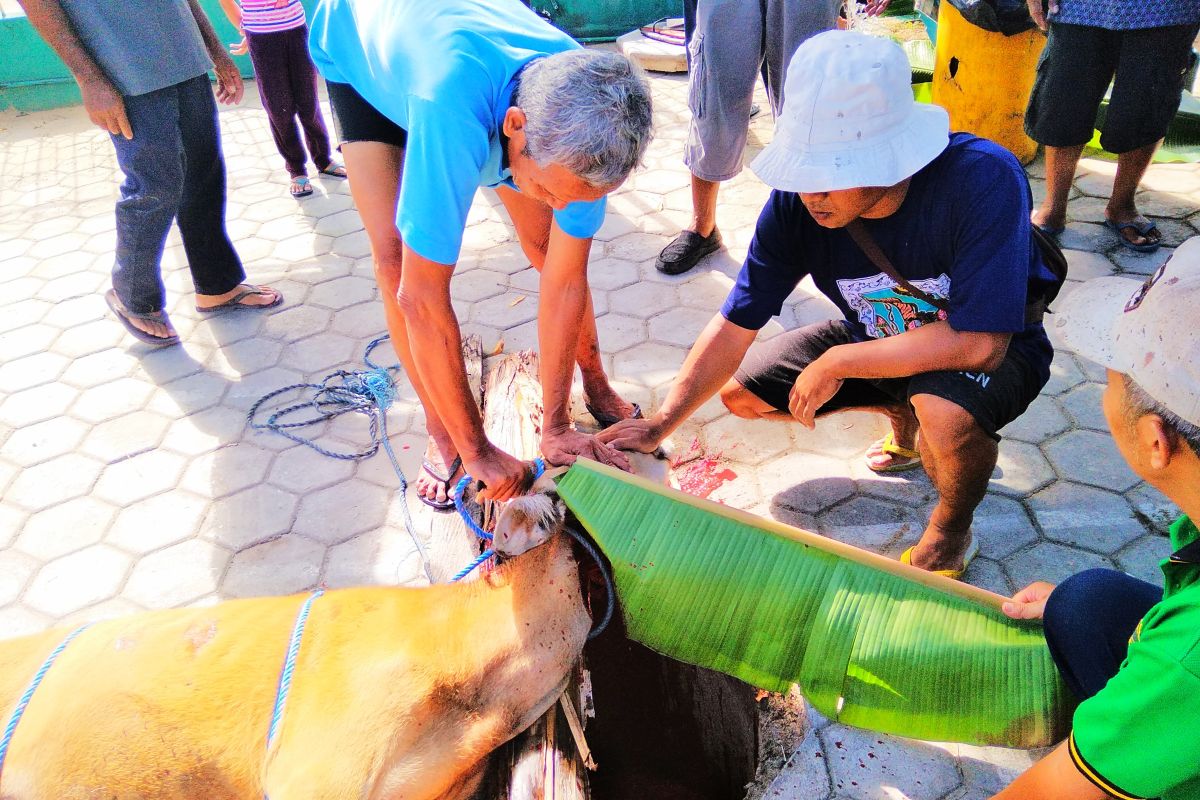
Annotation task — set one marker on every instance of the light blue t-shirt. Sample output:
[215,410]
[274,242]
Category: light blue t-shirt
[443,71]
[142,45]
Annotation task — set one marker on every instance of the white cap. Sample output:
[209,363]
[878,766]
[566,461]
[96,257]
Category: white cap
[1147,331]
[849,119]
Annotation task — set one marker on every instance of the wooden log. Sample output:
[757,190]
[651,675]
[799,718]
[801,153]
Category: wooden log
[451,546]
[544,761]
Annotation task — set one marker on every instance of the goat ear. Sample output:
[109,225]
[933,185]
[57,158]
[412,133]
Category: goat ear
[527,522]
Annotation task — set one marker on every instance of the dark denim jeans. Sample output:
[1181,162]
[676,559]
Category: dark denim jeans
[174,170]
[1088,621]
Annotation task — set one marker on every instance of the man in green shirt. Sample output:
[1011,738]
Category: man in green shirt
[1129,650]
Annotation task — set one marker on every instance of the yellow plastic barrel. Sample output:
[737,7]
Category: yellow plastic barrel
[983,79]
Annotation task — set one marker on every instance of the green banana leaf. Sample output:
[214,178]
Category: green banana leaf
[871,642]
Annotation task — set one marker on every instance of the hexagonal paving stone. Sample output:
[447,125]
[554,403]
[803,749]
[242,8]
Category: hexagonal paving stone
[16,568]
[302,470]
[340,223]
[1049,561]
[53,482]
[644,300]
[874,766]
[65,528]
[78,580]
[97,368]
[611,273]
[125,436]
[352,245]
[37,404]
[374,557]
[1143,557]
[227,470]
[1083,265]
[505,311]
[679,326]
[1083,404]
[12,520]
[803,774]
[477,284]
[322,352]
[288,564]
[990,769]
[1153,507]
[203,432]
[912,486]
[21,621]
[617,332]
[111,400]
[1020,469]
[296,322]
[335,514]
[249,517]
[1092,458]
[343,292]
[30,371]
[732,438]
[1064,373]
[846,435]
[1135,263]
[156,522]
[1002,526]
[870,523]
[141,476]
[805,482]
[180,574]
[1090,518]
[1042,420]
[648,364]
[92,337]
[43,441]
[188,395]
[635,247]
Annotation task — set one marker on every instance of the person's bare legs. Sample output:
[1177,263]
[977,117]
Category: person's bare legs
[704,206]
[532,220]
[377,169]
[1122,208]
[959,459]
[1060,171]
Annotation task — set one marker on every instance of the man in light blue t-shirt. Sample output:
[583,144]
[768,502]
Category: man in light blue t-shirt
[456,95]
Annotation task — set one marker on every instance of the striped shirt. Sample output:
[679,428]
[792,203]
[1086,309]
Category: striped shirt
[271,16]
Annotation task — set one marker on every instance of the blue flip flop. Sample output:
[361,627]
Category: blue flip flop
[1143,229]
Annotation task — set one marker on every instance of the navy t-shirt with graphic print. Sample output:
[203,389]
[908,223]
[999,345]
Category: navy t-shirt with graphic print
[962,234]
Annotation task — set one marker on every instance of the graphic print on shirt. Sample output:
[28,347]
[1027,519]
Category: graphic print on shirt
[886,309]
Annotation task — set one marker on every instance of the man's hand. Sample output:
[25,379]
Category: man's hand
[1030,602]
[813,388]
[1040,10]
[105,107]
[229,80]
[239,48]
[638,435]
[876,7]
[503,477]
[561,447]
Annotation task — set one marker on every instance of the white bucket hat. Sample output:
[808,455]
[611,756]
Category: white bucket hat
[1144,330]
[849,119]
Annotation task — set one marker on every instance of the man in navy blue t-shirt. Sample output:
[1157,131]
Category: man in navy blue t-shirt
[950,358]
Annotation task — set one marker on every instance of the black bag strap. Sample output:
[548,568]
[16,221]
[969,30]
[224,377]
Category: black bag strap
[862,237]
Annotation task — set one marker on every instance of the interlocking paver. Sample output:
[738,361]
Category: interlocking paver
[42,441]
[76,581]
[1142,558]
[177,575]
[1043,419]
[1049,561]
[1020,469]
[336,514]
[1092,458]
[793,482]
[251,516]
[157,522]
[16,568]
[869,766]
[53,482]
[871,523]
[1137,263]
[1153,507]
[65,528]
[140,476]
[1090,518]
[283,566]
[227,470]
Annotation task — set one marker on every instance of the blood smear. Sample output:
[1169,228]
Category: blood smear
[703,476]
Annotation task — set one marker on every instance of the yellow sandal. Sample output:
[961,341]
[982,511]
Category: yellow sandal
[888,446]
[952,574]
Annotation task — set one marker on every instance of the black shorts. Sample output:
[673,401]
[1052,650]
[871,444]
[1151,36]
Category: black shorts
[356,120]
[993,399]
[1075,69]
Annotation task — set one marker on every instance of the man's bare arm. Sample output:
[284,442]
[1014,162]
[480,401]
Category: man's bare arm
[229,81]
[1055,777]
[101,98]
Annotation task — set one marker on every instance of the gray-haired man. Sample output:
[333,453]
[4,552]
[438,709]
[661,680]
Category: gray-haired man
[466,93]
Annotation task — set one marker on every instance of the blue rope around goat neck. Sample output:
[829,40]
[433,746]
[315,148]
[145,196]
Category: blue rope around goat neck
[23,702]
[460,489]
[368,392]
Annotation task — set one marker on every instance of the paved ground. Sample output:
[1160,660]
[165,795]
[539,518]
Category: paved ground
[130,482]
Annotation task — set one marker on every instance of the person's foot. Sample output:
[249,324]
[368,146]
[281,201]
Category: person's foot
[153,327]
[333,169]
[945,552]
[244,295]
[1136,232]
[1052,224]
[300,186]
[890,455]
[686,250]
[607,406]
[441,469]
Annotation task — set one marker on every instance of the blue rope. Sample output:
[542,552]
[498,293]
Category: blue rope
[289,666]
[19,711]
[369,392]
[460,489]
